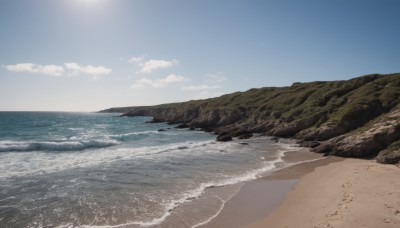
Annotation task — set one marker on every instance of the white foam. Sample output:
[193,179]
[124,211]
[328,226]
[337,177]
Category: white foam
[13,146]
[196,193]
[288,147]
[19,146]
[214,216]
[27,162]
[127,135]
[71,160]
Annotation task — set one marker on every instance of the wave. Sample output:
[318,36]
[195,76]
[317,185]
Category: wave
[14,165]
[18,146]
[193,194]
[177,149]
[128,136]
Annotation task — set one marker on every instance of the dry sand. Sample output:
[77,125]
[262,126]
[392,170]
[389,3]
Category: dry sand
[349,193]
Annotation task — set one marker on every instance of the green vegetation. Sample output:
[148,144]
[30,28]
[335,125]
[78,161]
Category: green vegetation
[339,100]
[315,111]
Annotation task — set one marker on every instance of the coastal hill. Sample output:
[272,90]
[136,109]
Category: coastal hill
[359,117]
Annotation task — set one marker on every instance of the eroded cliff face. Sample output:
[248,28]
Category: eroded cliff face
[367,141]
[354,118]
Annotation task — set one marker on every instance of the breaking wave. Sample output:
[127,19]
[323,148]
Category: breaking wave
[21,146]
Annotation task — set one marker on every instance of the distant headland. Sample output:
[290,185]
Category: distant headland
[359,117]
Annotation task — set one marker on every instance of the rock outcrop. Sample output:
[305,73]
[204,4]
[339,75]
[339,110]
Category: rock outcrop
[367,141]
[224,137]
[354,118]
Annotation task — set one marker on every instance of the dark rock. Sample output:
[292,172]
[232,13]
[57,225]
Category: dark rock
[192,128]
[207,119]
[246,136]
[224,137]
[182,125]
[243,143]
[207,129]
[239,132]
[224,129]
[314,144]
[263,127]
[310,144]
[159,130]
[388,157]
[327,146]
[275,139]
[133,113]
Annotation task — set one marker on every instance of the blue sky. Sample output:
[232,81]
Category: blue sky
[87,55]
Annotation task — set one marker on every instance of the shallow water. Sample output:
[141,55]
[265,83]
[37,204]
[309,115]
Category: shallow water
[89,169]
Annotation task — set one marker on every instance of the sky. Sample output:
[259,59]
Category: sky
[88,55]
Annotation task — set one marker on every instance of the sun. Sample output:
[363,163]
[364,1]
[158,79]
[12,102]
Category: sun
[89,3]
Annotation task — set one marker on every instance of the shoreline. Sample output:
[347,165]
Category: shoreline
[206,207]
[261,196]
[329,192]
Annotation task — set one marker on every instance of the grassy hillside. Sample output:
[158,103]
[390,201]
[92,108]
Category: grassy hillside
[324,113]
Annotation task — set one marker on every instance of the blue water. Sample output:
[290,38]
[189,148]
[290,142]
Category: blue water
[90,169]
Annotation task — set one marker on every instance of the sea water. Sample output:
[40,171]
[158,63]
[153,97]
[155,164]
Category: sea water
[60,169]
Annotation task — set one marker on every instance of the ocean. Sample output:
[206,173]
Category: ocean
[60,169]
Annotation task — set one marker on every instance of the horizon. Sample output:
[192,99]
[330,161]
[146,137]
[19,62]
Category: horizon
[91,55]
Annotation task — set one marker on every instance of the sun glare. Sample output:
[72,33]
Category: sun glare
[89,3]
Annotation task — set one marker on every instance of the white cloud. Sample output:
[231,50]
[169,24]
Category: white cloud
[53,70]
[58,70]
[172,78]
[155,64]
[158,83]
[22,67]
[200,87]
[75,69]
[72,66]
[137,59]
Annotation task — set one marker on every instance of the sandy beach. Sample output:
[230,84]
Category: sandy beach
[262,196]
[324,193]
[347,193]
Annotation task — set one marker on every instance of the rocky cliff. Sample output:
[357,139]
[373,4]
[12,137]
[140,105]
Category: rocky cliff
[359,117]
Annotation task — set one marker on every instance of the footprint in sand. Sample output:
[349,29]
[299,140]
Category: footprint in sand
[386,220]
[348,198]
